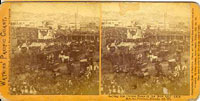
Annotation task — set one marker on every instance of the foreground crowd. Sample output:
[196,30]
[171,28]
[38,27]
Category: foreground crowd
[68,67]
[141,66]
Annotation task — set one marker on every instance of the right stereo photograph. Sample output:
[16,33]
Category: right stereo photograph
[145,48]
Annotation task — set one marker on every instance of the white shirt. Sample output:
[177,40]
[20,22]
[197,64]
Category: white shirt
[165,90]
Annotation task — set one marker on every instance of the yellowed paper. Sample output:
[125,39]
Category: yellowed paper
[99,51]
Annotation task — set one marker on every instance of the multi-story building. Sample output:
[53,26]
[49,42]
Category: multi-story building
[111,23]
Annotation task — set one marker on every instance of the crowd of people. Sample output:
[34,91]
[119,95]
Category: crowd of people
[137,64]
[55,67]
[147,64]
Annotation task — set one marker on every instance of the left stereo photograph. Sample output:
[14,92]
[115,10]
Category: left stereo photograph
[54,48]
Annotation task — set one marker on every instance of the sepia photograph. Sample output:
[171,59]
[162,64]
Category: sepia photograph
[54,48]
[145,48]
[99,50]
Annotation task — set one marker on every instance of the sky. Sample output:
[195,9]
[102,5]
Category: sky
[147,12]
[93,9]
[126,10]
[83,9]
[172,8]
